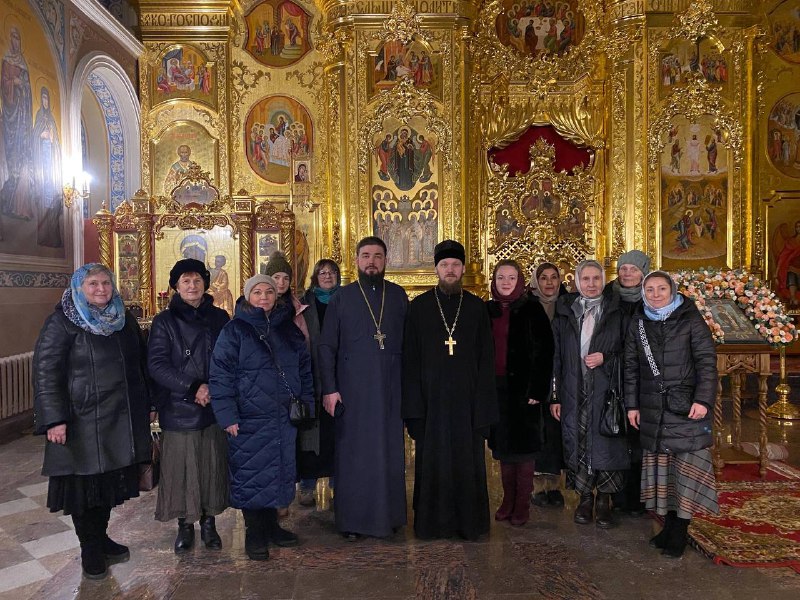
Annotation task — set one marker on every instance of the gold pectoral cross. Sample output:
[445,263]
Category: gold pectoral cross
[380,337]
[450,342]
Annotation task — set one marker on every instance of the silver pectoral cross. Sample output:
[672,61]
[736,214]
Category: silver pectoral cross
[380,337]
[450,342]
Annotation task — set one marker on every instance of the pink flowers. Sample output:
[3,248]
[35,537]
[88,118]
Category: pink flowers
[750,293]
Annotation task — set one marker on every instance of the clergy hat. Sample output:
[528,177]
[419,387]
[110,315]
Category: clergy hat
[188,265]
[449,249]
[278,264]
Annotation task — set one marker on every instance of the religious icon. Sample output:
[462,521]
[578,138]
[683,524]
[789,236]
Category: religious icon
[220,285]
[783,147]
[534,27]
[413,60]
[737,326]
[184,72]
[277,129]
[685,56]
[784,252]
[409,227]
[694,195]
[405,156]
[189,142]
[785,26]
[277,33]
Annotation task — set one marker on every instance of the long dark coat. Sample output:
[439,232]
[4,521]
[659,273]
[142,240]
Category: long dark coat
[683,349]
[529,374]
[369,462]
[315,441]
[97,385]
[449,403]
[605,454]
[176,331]
[246,389]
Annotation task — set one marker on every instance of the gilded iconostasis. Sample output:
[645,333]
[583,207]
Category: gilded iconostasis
[536,129]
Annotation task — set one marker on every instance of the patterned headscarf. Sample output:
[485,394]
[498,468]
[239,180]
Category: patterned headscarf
[99,321]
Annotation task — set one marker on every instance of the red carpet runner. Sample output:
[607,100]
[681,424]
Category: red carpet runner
[759,520]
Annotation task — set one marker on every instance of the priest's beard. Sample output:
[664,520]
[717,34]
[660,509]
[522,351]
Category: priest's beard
[371,280]
[450,288]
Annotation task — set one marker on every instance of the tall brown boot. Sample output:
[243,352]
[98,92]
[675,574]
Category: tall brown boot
[583,514]
[522,507]
[508,475]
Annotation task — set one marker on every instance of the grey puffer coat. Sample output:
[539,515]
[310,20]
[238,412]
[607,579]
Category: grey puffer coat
[684,352]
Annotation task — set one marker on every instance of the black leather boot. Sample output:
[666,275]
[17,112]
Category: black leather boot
[677,538]
[255,535]
[275,533]
[208,533]
[583,514]
[660,540]
[89,529]
[114,552]
[603,518]
[185,538]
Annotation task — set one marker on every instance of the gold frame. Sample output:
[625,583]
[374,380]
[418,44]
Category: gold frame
[770,203]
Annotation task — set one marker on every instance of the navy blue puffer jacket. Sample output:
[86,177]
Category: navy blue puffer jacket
[247,390]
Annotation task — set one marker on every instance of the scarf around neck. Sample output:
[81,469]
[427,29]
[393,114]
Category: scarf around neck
[99,321]
[663,313]
[627,294]
[324,296]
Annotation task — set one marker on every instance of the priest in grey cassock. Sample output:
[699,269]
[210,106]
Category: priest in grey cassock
[360,363]
[449,402]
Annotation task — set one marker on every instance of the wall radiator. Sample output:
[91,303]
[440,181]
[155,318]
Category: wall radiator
[16,384]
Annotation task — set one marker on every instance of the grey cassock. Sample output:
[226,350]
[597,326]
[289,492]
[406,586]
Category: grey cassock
[369,462]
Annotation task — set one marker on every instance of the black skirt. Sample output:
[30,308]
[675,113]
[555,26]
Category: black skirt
[74,494]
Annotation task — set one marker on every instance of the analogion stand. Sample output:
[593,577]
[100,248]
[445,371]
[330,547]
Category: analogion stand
[735,362]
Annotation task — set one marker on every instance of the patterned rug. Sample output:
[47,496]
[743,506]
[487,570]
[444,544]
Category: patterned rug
[759,520]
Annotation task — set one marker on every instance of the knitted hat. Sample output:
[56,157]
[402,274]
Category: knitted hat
[637,258]
[188,265]
[449,249]
[255,280]
[278,264]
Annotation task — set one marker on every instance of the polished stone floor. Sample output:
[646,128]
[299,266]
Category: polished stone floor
[550,557]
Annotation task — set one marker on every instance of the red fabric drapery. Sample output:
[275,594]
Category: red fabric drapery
[292,9]
[516,155]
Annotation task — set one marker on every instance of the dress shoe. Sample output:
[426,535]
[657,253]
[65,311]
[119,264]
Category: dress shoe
[208,533]
[185,538]
[603,518]
[583,514]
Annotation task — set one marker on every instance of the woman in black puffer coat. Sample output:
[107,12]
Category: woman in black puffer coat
[194,459]
[588,346]
[669,393]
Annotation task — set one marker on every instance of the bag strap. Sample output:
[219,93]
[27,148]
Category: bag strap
[263,338]
[649,355]
[186,350]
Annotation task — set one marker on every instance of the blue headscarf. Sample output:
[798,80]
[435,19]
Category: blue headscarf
[99,321]
[663,313]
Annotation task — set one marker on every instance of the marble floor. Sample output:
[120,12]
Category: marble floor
[550,557]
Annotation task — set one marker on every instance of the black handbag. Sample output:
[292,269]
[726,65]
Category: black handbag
[678,402]
[298,410]
[613,418]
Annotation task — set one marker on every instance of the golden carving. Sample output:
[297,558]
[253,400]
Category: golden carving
[104,222]
[267,216]
[144,226]
[557,226]
[403,102]
[698,21]
[403,24]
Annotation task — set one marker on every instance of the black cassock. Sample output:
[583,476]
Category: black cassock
[369,458]
[449,402]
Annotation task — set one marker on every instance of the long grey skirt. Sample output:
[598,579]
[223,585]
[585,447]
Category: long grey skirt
[194,474]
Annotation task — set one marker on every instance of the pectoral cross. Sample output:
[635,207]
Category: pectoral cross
[450,342]
[380,337]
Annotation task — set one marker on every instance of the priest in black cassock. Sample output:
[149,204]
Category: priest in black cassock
[360,354]
[449,402]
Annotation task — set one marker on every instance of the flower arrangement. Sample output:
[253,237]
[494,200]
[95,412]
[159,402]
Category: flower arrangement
[757,301]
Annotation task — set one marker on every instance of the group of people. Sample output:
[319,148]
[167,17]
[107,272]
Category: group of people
[528,371]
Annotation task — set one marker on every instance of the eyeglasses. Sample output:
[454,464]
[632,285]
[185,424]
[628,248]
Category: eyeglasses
[327,273]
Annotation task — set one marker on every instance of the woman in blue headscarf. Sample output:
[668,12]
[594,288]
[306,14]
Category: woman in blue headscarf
[670,390]
[92,401]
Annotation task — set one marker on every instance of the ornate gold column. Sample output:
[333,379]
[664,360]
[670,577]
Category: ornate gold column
[244,221]
[104,221]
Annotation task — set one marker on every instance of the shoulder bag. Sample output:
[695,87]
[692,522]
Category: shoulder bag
[613,421]
[298,411]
